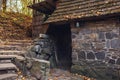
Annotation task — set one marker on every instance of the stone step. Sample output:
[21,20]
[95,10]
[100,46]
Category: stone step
[8,47]
[8,76]
[23,41]
[9,57]
[5,71]
[7,66]
[5,61]
[16,44]
[12,52]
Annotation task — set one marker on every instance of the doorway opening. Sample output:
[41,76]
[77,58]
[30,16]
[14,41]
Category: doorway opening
[61,35]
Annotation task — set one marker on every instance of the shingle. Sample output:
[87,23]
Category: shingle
[74,9]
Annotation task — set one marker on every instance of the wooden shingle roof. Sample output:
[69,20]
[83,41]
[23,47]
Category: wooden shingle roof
[76,9]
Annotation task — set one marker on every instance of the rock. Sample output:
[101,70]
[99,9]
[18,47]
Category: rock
[100,55]
[36,48]
[118,61]
[108,45]
[31,54]
[115,43]
[43,36]
[42,54]
[101,36]
[82,55]
[111,61]
[109,35]
[87,46]
[40,68]
[29,64]
[90,55]
[73,36]
[77,69]
[99,46]
[47,50]
[74,57]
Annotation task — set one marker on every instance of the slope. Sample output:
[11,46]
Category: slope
[15,26]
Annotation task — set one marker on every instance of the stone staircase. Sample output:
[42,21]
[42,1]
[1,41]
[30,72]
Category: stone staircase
[14,47]
[10,50]
[8,71]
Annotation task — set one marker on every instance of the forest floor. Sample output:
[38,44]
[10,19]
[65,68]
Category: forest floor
[57,74]
[15,26]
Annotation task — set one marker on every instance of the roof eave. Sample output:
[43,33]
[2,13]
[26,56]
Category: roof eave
[44,7]
[84,18]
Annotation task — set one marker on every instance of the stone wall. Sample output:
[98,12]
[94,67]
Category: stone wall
[96,49]
[39,58]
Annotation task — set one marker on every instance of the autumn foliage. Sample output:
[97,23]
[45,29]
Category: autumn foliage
[15,26]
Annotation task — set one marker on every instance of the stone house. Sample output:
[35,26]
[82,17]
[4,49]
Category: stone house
[86,34]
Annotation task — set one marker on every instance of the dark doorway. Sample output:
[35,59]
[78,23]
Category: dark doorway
[61,34]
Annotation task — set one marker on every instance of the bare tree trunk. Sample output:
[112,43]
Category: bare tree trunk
[10,1]
[1,5]
[4,5]
[16,2]
[33,1]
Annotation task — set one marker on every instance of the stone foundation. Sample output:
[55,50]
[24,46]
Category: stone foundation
[96,49]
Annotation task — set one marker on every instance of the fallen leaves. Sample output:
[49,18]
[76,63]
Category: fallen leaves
[65,75]
[14,26]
